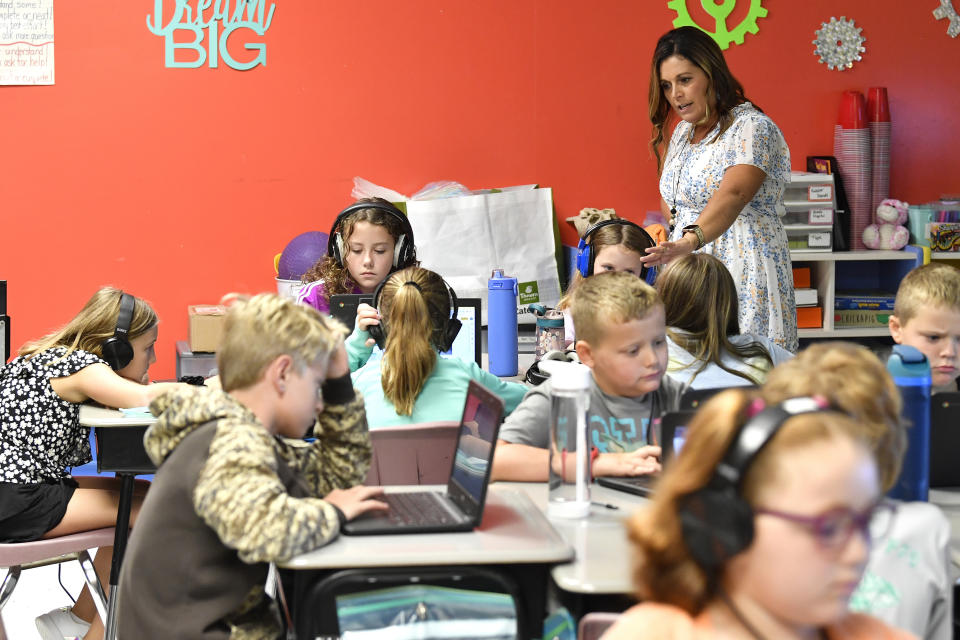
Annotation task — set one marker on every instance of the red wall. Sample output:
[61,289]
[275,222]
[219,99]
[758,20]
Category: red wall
[180,185]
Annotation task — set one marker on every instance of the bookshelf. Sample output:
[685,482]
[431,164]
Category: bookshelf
[831,271]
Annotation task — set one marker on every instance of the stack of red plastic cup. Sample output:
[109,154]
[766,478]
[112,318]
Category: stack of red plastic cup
[878,115]
[852,150]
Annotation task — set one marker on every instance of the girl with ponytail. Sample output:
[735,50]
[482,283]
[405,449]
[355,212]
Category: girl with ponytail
[412,383]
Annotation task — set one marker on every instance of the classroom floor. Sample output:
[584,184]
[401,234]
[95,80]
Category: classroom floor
[38,592]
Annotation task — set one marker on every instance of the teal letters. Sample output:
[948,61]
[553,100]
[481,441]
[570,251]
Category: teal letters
[205,21]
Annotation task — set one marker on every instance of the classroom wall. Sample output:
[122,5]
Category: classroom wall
[180,185]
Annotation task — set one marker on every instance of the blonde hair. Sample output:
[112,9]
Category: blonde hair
[689,286]
[259,330]
[931,285]
[853,380]
[664,569]
[414,307]
[612,235]
[607,299]
[96,322]
[336,278]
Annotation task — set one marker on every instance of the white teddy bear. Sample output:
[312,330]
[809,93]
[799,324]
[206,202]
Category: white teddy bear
[888,231]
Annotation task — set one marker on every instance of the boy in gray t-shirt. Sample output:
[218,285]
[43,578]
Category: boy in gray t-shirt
[621,336]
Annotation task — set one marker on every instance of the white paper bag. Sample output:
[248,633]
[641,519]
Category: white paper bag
[465,238]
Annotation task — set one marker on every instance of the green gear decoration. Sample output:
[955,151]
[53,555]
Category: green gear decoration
[719,12]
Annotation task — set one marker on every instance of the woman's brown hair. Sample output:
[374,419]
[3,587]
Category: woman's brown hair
[625,235]
[700,299]
[414,308]
[95,323]
[664,569]
[853,380]
[336,278]
[700,49]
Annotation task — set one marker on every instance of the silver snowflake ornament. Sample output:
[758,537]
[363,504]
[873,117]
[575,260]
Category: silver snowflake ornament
[839,43]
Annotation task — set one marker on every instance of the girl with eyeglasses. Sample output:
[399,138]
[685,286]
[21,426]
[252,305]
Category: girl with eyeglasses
[758,541]
[907,581]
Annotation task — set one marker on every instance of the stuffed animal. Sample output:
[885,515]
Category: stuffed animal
[888,231]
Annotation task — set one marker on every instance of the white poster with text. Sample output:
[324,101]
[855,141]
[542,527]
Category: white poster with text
[26,41]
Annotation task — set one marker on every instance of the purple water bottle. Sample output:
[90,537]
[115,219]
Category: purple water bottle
[502,324]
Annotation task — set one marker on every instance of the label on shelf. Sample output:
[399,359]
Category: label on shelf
[820,192]
[821,239]
[821,216]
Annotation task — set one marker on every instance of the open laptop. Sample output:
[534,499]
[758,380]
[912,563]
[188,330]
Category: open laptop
[673,433]
[944,439]
[467,346]
[460,506]
[693,399]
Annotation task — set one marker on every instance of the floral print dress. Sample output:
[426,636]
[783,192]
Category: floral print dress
[754,248]
[40,432]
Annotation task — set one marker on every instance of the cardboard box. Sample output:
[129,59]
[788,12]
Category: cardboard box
[801,277]
[206,326]
[809,317]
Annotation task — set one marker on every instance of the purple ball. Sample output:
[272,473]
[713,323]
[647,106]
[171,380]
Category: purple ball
[301,253]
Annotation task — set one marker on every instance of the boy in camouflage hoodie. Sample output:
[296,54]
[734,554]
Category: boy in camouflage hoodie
[232,494]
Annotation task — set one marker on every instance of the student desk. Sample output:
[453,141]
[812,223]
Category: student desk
[603,558]
[514,538]
[119,449]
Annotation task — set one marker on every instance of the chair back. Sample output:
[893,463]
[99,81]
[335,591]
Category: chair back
[594,624]
[419,453]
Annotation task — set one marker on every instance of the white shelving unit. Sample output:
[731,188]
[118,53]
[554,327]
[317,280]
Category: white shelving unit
[945,255]
[823,277]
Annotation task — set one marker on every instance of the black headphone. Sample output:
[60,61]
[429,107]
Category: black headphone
[404,253]
[448,331]
[716,520]
[116,349]
[586,256]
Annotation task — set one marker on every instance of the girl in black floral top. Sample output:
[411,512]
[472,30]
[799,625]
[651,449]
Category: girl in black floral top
[40,437]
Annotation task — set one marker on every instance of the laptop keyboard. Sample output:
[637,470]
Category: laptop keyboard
[419,508]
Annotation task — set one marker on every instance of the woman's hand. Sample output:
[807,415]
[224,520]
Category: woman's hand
[367,316]
[667,251]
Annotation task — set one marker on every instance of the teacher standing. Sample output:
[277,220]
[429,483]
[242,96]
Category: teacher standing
[722,178]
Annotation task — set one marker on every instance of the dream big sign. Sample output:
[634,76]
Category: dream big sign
[204,29]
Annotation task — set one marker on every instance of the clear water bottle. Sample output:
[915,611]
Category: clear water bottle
[569,478]
[911,373]
[502,324]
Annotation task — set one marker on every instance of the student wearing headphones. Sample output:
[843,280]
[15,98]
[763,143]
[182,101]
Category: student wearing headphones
[760,528]
[369,240]
[609,245]
[411,383]
[103,355]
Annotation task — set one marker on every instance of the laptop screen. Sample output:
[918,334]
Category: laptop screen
[466,346]
[478,435]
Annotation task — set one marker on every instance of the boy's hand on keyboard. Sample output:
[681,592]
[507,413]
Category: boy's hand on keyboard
[634,463]
[356,500]
[367,316]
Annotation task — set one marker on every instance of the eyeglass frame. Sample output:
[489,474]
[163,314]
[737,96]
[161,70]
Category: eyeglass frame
[859,521]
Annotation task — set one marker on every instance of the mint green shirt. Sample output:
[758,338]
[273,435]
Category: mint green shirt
[441,398]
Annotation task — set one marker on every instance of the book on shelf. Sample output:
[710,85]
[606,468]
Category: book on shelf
[875,300]
[861,317]
[805,297]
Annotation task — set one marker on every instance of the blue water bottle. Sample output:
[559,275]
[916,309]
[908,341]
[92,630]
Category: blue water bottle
[502,324]
[911,373]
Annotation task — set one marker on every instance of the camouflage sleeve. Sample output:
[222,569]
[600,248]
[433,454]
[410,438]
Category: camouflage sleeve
[340,456]
[240,496]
